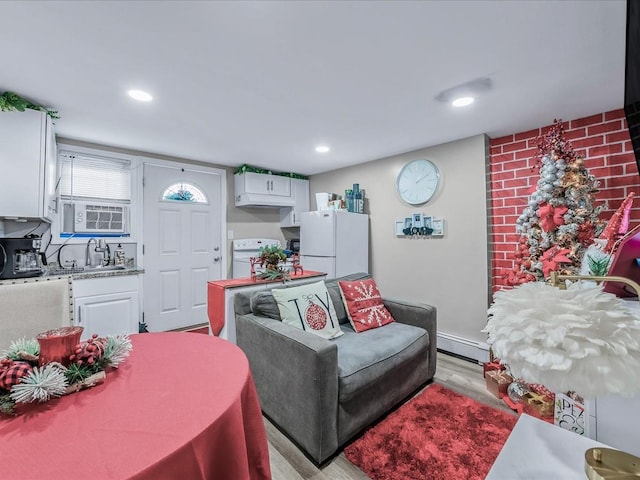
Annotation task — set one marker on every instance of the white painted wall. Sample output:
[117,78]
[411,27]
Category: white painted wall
[450,273]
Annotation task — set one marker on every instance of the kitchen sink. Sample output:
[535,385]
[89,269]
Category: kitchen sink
[74,270]
[108,268]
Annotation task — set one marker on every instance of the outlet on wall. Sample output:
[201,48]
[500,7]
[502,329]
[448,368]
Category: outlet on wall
[229,234]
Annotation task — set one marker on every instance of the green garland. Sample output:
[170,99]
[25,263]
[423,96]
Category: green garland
[248,168]
[10,101]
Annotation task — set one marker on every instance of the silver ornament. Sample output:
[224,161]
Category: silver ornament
[516,391]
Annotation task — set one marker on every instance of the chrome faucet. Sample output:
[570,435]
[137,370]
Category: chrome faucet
[87,258]
[103,247]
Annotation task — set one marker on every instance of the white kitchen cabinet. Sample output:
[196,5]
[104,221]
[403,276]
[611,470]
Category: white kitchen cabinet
[28,158]
[250,182]
[290,216]
[107,305]
[262,189]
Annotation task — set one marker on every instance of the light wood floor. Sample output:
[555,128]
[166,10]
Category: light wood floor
[288,463]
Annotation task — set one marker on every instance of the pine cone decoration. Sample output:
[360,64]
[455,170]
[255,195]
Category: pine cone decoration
[87,353]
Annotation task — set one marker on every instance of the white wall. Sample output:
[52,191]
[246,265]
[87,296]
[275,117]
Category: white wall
[450,273]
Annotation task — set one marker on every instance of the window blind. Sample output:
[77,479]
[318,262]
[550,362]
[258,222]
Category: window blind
[88,176]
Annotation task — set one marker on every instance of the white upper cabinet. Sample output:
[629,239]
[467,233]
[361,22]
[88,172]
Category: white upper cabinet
[28,159]
[265,184]
[260,189]
[290,216]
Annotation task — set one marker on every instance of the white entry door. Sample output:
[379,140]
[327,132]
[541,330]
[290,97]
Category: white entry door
[184,210]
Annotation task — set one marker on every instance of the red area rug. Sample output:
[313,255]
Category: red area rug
[439,434]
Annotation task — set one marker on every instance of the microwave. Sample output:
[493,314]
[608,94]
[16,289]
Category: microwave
[95,217]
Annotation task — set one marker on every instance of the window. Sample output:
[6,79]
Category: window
[90,177]
[184,192]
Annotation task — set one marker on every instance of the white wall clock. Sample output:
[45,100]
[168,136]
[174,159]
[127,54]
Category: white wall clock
[418,181]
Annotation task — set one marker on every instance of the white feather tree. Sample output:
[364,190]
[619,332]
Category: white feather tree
[580,339]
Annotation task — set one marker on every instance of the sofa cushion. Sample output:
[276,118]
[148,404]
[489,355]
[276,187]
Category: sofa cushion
[364,358]
[309,308]
[364,306]
[264,305]
[336,297]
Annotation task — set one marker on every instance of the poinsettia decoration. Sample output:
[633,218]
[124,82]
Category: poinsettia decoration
[550,216]
[552,258]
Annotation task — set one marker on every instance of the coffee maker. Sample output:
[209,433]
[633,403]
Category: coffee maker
[20,257]
[294,245]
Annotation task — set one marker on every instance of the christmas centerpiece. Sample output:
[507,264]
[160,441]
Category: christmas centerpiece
[55,364]
[270,258]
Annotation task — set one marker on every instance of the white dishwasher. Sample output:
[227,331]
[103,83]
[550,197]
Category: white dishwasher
[244,249]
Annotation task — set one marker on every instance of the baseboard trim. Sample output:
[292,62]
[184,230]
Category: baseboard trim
[191,327]
[478,351]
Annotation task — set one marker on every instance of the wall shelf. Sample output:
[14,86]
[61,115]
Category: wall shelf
[421,226]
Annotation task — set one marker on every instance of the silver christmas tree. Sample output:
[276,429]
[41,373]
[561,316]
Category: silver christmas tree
[561,218]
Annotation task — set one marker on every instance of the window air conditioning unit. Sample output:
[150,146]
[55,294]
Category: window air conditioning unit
[95,217]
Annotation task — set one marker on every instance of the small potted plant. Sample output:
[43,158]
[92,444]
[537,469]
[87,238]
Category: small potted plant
[270,257]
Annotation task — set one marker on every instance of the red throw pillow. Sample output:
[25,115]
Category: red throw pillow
[364,305]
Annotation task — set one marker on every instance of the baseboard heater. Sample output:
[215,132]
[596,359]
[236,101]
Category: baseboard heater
[464,347]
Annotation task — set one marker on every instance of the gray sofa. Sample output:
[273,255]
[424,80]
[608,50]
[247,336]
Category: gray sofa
[321,392]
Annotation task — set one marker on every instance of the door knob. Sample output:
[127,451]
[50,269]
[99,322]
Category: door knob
[216,259]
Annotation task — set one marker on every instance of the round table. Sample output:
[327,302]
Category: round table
[182,406]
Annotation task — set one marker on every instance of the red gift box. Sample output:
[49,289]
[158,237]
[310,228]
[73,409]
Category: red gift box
[491,366]
[497,382]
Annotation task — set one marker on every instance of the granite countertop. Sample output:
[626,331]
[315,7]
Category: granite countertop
[75,275]
[96,273]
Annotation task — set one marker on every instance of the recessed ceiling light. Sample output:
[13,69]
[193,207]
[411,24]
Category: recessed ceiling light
[322,149]
[140,95]
[474,89]
[462,101]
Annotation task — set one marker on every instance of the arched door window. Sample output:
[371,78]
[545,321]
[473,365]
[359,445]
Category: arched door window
[184,192]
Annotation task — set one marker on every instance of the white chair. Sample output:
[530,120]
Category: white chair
[32,307]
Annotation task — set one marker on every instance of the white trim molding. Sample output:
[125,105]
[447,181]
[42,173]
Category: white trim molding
[478,351]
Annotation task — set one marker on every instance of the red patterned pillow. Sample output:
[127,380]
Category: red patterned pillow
[364,305]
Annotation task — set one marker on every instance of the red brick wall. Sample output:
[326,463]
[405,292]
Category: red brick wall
[602,139]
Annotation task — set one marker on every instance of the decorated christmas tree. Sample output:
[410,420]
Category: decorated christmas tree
[561,219]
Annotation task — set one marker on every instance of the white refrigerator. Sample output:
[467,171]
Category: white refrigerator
[335,242]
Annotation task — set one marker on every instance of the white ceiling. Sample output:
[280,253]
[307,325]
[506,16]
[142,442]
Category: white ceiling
[264,82]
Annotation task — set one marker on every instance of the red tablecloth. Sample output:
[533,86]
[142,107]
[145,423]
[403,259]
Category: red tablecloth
[183,406]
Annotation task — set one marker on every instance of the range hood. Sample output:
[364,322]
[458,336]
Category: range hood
[263,200]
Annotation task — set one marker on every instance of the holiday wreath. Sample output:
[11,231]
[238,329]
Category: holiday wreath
[55,364]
